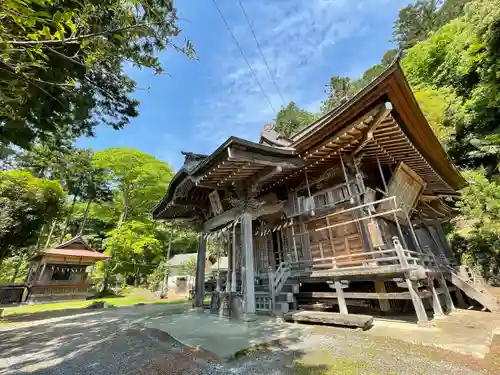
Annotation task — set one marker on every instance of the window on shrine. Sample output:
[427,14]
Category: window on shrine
[61,274]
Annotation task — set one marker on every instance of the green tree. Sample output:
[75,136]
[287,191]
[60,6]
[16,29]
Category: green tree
[139,179]
[439,105]
[291,119]
[414,23]
[338,90]
[62,63]
[463,56]
[26,204]
[77,174]
[477,235]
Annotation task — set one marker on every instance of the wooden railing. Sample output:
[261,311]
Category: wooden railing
[397,257]
[324,199]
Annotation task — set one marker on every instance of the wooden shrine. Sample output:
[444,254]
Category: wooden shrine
[347,212]
[61,273]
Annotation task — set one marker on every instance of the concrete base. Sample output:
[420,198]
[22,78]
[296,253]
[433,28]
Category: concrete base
[225,338]
[465,332]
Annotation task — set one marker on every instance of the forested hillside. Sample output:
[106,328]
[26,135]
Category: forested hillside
[450,53]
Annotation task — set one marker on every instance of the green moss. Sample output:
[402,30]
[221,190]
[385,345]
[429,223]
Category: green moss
[334,366]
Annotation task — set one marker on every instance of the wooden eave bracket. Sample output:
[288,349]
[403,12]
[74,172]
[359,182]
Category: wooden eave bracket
[382,113]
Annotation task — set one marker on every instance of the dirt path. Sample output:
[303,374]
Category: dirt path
[334,351]
[116,343]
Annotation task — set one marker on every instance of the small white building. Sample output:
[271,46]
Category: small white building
[181,279]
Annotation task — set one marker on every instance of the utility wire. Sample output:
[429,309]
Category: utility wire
[244,57]
[261,53]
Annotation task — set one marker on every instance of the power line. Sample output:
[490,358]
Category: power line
[261,53]
[244,57]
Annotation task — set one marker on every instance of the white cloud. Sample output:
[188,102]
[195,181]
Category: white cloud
[295,36]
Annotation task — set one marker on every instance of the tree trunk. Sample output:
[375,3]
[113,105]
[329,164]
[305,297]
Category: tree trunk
[40,235]
[85,217]
[68,217]
[53,226]
[16,270]
[3,254]
[164,288]
[122,219]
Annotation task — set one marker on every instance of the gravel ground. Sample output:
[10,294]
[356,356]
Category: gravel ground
[115,343]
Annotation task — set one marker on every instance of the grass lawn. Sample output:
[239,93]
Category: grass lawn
[116,301]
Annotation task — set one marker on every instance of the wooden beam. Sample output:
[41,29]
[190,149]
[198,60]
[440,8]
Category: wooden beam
[264,175]
[274,161]
[232,214]
[382,113]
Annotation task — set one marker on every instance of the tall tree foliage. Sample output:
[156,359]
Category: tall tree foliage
[341,89]
[61,71]
[26,203]
[417,21]
[463,57]
[139,179]
[291,119]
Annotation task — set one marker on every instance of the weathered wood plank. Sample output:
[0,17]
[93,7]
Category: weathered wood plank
[321,317]
[249,157]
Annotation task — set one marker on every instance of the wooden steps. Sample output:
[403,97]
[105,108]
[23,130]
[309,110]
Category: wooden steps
[475,291]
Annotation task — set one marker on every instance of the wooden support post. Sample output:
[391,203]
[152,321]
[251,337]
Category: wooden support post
[229,263]
[417,304]
[400,252]
[340,297]
[446,245]
[460,299]
[436,305]
[271,288]
[233,263]
[382,175]
[30,274]
[294,242]
[40,275]
[247,243]
[380,288]
[447,296]
[200,272]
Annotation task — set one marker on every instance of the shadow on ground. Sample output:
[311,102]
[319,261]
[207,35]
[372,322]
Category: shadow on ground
[111,343]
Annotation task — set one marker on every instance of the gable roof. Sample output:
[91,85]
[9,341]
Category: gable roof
[398,134]
[74,247]
[391,85]
[75,240]
[180,259]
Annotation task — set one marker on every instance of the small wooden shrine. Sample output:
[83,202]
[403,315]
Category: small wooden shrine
[347,212]
[61,273]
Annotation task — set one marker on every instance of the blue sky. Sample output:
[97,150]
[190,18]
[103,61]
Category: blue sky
[204,102]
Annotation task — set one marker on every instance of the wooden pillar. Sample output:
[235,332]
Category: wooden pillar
[30,274]
[229,263]
[460,299]
[233,259]
[247,242]
[271,288]
[380,288]
[40,275]
[200,272]
[417,303]
[436,305]
[447,296]
[340,297]
[446,245]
